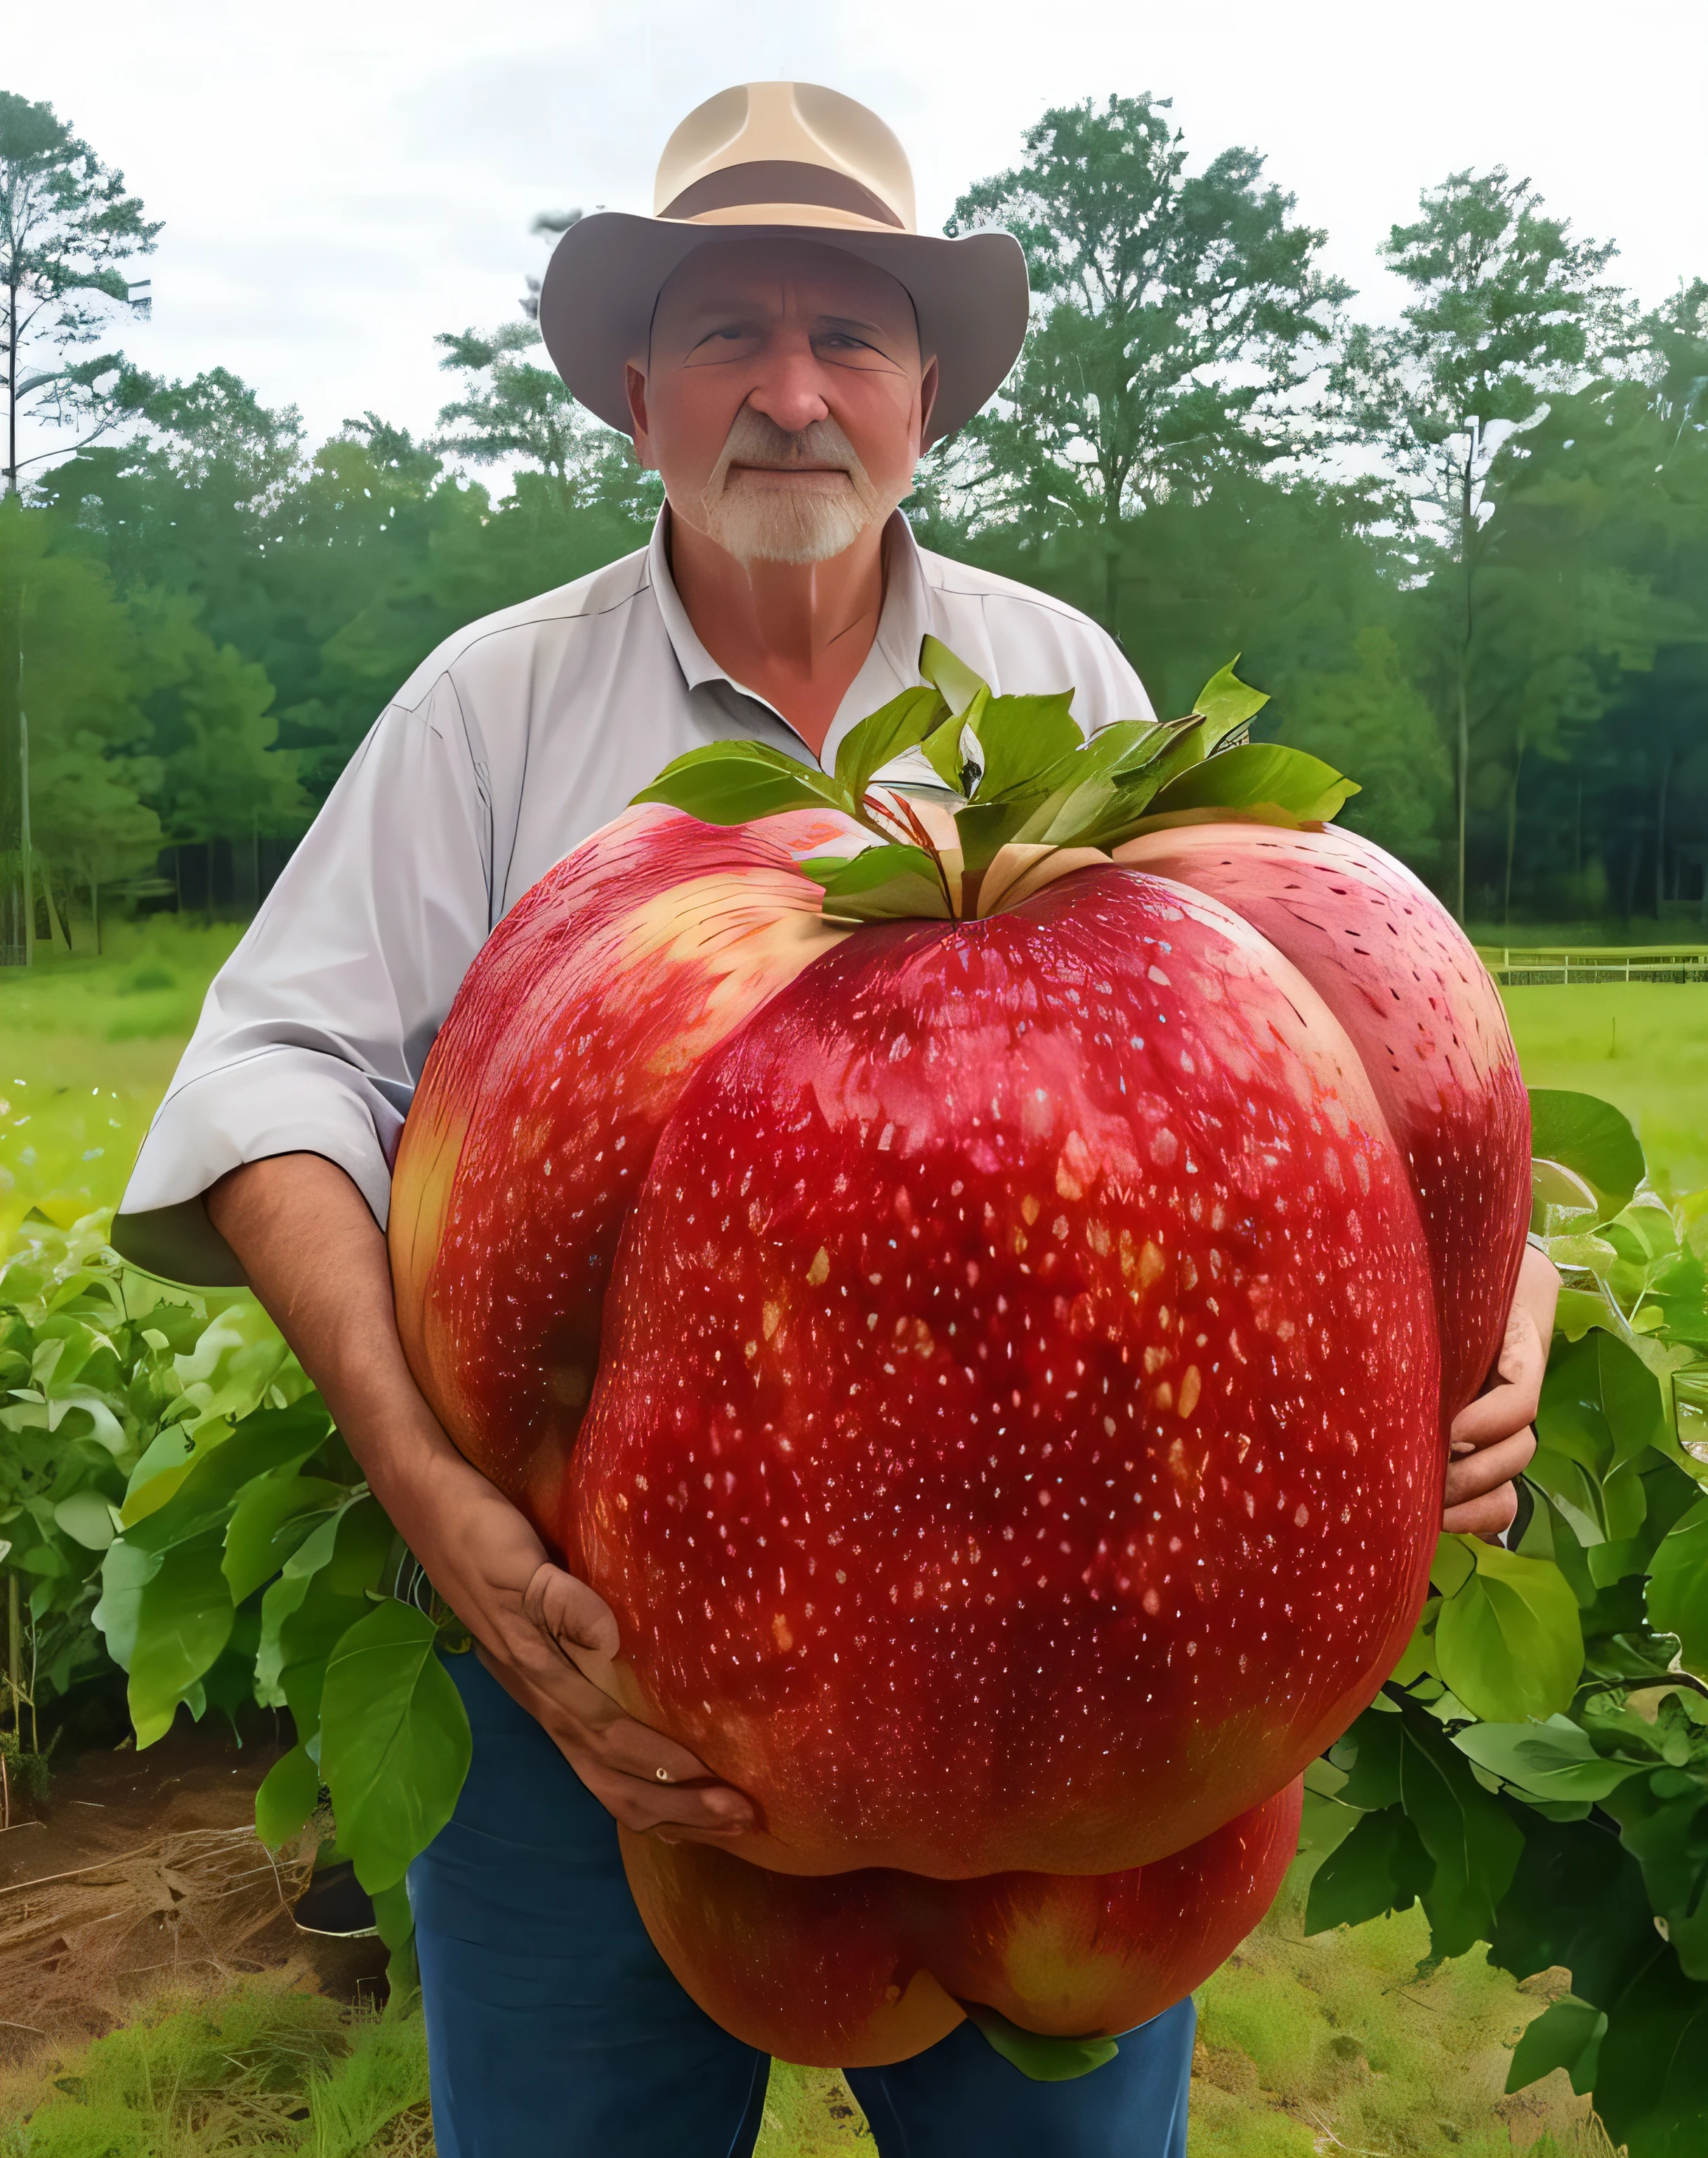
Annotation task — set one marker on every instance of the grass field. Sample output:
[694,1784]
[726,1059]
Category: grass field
[1344,2043]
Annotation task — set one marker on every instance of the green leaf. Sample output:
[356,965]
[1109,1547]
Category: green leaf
[885,884]
[953,678]
[1651,2088]
[953,753]
[394,1742]
[267,1440]
[1678,1588]
[1664,1825]
[1566,2035]
[1258,776]
[125,1573]
[732,782]
[1465,1830]
[289,1792]
[1508,1642]
[184,1621]
[1577,1899]
[1227,699]
[1592,1139]
[322,1589]
[1370,1754]
[394,1921]
[1381,1867]
[1554,1760]
[900,725]
[86,1518]
[1020,738]
[271,1520]
[1045,2060]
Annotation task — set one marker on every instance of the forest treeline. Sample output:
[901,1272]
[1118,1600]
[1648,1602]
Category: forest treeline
[1464,543]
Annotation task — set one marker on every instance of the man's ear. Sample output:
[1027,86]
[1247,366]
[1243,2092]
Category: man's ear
[927,399]
[634,384]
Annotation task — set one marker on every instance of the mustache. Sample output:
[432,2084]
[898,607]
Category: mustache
[755,439]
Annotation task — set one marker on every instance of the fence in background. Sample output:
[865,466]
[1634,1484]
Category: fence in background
[1513,966]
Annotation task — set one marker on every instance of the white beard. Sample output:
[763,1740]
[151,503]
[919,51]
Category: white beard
[808,516]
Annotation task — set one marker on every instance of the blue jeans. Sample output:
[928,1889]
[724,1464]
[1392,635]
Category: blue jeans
[555,2030]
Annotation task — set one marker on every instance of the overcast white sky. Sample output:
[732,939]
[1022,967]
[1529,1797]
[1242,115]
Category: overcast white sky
[341,178]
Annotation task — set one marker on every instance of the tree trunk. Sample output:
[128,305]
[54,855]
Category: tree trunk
[1666,773]
[1512,831]
[17,888]
[1467,532]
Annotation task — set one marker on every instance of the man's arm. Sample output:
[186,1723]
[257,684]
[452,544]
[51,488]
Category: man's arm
[318,1261]
[1492,1441]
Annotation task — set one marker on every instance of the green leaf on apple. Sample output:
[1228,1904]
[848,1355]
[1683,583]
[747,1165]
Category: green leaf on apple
[1257,777]
[884,884]
[1228,700]
[950,675]
[900,725]
[735,782]
[1045,2060]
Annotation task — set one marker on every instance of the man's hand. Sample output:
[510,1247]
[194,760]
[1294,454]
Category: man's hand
[1492,1441]
[316,1260]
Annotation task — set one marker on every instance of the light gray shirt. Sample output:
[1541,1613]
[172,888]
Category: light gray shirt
[505,750]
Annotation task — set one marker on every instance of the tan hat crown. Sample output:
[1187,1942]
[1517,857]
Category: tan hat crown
[789,150]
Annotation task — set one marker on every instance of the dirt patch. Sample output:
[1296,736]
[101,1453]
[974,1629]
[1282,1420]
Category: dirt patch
[143,1870]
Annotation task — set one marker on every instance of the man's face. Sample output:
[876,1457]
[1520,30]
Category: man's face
[783,397]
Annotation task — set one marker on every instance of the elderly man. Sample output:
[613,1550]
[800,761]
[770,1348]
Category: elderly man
[781,342]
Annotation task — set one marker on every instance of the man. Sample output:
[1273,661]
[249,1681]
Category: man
[781,342]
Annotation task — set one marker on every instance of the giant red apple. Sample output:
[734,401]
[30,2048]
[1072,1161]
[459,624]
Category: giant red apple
[1428,1023]
[978,1313]
[856,1969]
[1020,1375]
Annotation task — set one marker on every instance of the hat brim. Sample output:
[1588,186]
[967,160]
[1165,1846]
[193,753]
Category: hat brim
[595,304]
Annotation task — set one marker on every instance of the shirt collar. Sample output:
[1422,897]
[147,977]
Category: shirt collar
[892,666]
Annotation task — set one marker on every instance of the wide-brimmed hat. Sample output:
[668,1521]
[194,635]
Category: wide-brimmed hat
[790,161]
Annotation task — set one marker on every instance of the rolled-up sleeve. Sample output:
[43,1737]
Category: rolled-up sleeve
[313,1034]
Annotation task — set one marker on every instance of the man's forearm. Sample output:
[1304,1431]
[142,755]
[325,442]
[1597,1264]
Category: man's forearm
[316,1260]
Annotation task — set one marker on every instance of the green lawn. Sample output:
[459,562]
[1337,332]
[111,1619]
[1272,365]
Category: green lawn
[1641,1044]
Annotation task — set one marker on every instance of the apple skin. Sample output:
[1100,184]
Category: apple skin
[1418,1006]
[564,1053]
[1016,1443]
[861,1969]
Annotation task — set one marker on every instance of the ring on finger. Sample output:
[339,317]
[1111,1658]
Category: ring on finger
[663,1774]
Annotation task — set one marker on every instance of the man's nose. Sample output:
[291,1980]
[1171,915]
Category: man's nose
[789,390]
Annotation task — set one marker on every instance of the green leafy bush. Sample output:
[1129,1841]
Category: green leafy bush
[1535,1774]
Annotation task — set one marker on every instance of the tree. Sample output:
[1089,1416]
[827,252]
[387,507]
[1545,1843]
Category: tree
[66,224]
[66,227]
[85,813]
[1179,316]
[1509,306]
[513,411]
[222,776]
